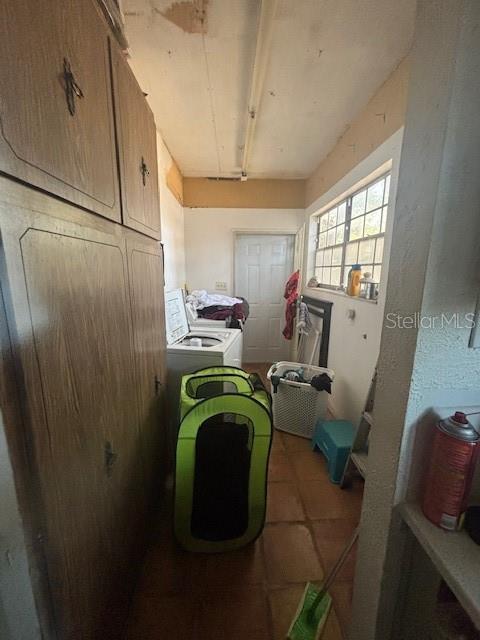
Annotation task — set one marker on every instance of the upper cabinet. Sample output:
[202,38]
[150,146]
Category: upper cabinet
[56,116]
[136,135]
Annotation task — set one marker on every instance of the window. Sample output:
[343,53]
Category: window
[352,232]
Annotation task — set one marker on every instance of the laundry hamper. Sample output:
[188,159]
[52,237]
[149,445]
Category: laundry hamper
[221,459]
[297,405]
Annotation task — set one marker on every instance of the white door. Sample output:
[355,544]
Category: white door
[263,264]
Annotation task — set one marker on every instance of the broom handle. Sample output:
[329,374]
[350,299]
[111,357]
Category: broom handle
[335,569]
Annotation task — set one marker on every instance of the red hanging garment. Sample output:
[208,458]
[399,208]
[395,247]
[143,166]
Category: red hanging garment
[291,296]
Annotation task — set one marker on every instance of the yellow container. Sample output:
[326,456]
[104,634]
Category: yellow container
[353,284]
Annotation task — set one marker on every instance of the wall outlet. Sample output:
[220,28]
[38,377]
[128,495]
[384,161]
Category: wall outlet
[220,286]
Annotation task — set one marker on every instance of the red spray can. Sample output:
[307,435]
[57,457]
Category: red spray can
[450,474]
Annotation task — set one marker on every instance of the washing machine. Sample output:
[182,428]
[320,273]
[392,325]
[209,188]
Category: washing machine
[195,321]
[193,348]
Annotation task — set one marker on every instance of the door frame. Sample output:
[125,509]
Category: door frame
[255,232]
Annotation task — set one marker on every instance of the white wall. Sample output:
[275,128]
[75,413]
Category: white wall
[172,223]
[354,344]
[209,240]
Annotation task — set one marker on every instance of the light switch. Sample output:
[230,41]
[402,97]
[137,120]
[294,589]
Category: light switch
[221,286]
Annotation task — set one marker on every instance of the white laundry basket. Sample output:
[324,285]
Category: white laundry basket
[297,405]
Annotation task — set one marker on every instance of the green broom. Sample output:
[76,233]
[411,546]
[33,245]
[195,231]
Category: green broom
[314,607]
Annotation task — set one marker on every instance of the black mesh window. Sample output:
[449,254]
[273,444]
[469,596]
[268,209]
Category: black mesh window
[222,470]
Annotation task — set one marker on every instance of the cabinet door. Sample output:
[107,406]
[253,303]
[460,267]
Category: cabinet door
[137,150]
[145,261]
[66,288]
[51,48]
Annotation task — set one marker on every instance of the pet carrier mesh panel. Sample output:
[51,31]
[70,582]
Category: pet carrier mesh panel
[222,458]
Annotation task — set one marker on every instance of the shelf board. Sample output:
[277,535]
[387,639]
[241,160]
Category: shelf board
[454,554]
[360,460]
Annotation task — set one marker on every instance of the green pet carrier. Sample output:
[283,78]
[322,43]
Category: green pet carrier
[222,459]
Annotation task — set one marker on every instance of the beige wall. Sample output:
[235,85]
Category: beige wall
[210,240]
[251,194]
[383,115]
[174,180]
[355,342]
[171,210]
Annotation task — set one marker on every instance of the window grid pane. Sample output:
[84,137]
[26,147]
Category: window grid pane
[352,232]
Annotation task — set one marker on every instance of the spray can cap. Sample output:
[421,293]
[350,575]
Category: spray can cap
[460,417]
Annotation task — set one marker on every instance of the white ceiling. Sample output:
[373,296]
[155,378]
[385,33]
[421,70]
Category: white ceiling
[327,59]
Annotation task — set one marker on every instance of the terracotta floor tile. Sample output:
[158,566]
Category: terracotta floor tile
[332,630]
[283,504]
[342,593]
[290,554]
[242,567]
[279,467]
[166,569]
[277,442]
[324,500]
[295,443]
[165,617]
[229,615]
[309,465]
[331,536]
[284,604]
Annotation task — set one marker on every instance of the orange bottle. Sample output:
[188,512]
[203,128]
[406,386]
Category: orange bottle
[353,284]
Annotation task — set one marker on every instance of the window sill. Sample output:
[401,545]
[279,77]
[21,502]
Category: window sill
[335,292]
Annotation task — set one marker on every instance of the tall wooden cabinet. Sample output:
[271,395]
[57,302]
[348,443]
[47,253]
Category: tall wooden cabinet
[81,275]
[145,264]
[56,116]
[85,315]
[137,150]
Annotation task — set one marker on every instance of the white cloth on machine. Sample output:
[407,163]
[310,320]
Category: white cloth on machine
[199,299]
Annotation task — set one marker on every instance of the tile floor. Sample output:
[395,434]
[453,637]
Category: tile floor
[253,593]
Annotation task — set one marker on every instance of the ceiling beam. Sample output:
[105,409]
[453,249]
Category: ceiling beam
[262,54]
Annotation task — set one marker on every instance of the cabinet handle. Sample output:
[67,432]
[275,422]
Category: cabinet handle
[144,171]
[110,458]
[158,384]
[72,89]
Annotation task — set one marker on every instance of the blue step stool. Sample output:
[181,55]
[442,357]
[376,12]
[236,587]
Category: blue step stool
[334,438]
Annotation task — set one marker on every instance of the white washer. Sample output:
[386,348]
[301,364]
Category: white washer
[194,320]
[219,346]
[206,323]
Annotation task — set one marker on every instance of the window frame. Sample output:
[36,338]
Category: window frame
[347,222]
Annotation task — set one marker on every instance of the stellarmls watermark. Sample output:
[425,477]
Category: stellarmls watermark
[418,320]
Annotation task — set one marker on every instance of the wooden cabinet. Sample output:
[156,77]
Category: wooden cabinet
[136,134]
[85,318]
[56,115]
[145,262]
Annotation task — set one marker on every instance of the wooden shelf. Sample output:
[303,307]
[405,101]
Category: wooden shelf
[454,554]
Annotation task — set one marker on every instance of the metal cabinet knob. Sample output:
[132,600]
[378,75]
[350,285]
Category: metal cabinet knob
[72,89]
